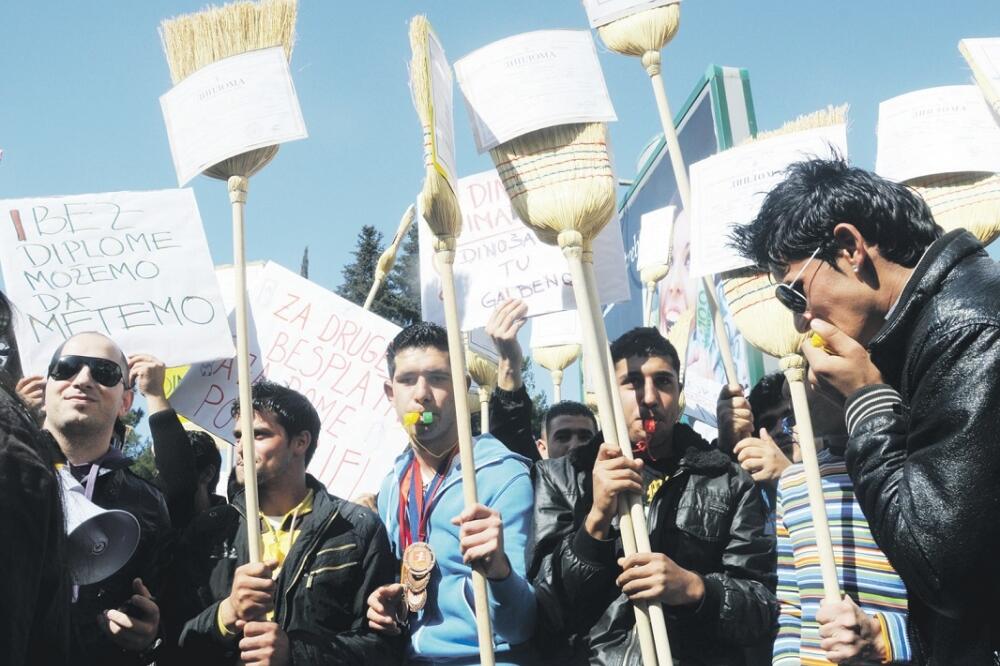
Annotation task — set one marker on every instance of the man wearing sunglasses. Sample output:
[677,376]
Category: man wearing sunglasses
[909,324]
[87,390]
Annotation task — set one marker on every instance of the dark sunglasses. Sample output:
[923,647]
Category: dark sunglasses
[790,297]
[105,372]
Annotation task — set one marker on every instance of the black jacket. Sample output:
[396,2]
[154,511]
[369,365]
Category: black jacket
[924,451]
[35,589]
[341,555]
[707,517]
[510,421]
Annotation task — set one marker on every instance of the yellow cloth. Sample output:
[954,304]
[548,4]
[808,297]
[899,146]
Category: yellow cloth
[277,544]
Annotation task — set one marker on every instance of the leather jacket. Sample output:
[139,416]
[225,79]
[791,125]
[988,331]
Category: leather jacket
[707,517]
[924,449]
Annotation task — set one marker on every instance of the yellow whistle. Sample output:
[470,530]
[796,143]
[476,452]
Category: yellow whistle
[817,341]
[413,418]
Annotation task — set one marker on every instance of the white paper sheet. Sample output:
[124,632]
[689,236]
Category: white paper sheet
[498,257]
[727,190]
[601,12]
[134,266]
[230,107]
[442,91]
[655,235]
[556,328]
[986,54]
[532,81]
[937,130]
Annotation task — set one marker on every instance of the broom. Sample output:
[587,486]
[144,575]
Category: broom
[439,204]
[191,42]
[651,276]
[769,326]
[560,183]
[388,258]
[642,35]
[990,90]
[555,359]
[484,373]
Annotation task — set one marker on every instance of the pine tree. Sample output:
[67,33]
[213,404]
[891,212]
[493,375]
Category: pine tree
[404,280]
[360,273]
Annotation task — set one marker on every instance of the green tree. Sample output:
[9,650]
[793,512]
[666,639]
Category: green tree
[404,280]
[137,448]
[360,273]
[399,298]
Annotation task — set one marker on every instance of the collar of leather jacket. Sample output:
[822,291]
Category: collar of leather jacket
[697,454]
[943,255]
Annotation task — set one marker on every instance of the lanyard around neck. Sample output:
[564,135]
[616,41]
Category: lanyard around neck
[414,505]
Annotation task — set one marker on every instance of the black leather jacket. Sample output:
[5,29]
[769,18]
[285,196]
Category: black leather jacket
[708,517]
[924,451]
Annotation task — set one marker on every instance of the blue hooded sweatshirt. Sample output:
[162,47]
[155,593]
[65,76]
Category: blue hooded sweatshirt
[445,630]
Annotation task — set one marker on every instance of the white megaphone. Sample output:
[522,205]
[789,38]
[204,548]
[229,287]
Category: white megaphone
[100,541]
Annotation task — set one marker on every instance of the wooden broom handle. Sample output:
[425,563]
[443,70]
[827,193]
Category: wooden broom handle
[651,61]
[571,243]
[238,199]
[814,485]
[630,504]
[445,253]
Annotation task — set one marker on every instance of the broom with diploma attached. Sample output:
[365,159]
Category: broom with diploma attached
[388,258]
[555,359]
[484,373]
[439,206]
[560,184]
[191,42]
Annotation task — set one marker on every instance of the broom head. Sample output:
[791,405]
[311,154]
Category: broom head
[968,201]
[559,179]
[482,371]
[192,41]
[556,357]
[642,32]
[438,202]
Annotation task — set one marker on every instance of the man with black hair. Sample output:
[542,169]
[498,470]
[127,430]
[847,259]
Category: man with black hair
[305,603]
[711,566]
[568,425]
[87,391]
[908,326]
[437,538]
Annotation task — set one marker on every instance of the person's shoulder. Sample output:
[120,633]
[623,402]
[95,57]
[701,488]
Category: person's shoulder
[364,522]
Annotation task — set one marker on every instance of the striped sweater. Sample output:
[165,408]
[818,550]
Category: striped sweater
[863,570]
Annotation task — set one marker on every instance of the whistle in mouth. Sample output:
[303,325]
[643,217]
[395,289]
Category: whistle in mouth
[816,340]
[413,418]
[649,426]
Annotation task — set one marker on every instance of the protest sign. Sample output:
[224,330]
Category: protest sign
[230,107]
[498,258]
[948,129]
[727,189]
[532,81]
[602,12]
[326,348]
[134,266]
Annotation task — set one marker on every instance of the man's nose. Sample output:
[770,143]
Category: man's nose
[802,321]
[648,396]
[83,377]
[422,390]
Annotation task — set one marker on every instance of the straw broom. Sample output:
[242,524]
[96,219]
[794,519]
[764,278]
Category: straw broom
[990,91]
[651,276]
[643,34]
[560,183]
[439,204]
[388,258]
[769,326]
[555,359]
[484,373]
[191,42]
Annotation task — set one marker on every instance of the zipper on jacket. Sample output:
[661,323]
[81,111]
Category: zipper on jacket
[316,572]
[305,557]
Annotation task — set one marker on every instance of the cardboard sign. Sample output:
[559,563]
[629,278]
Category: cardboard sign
[230,107]
[498,258]
[655,235]
[532,81]
[134,266]
[727,190]
[602,12]
[331,351]
[948,129]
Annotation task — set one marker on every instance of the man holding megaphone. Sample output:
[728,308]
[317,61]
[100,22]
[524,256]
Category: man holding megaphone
[87,390]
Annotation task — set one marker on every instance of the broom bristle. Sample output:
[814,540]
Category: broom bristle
[968,201]
[559,179]
[438,202]
[831,115]
[556,357]
[482,371]
[644,31]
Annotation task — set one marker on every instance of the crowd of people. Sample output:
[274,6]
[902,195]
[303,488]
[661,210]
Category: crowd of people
[904,402]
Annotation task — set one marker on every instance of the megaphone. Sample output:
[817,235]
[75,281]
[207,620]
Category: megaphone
[100,541]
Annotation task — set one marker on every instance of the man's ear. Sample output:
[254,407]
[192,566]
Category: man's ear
[387,389]
[852,244]
[302,441]
[127,399]
[543,448]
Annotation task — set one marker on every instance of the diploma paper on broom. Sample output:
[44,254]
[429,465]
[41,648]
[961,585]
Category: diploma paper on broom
[602,12]
[442,141]
[728,189]
[231,107]
[983,55]
[948,129]
[532,81]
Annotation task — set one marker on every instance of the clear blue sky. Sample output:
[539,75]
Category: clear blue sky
[81,82]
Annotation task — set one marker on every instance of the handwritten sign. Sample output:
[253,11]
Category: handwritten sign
[331,351]
[498,257]
[727,189]
[134,266]
[230,107]
[984,56]
[947,129]
[602,12]
[532,81]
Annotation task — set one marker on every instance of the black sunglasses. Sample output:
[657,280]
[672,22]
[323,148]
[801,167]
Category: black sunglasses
[790,297]
[105,372]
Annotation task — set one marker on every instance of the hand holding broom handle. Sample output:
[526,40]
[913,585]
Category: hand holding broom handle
[238,198]
[445,254]
[388,258]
